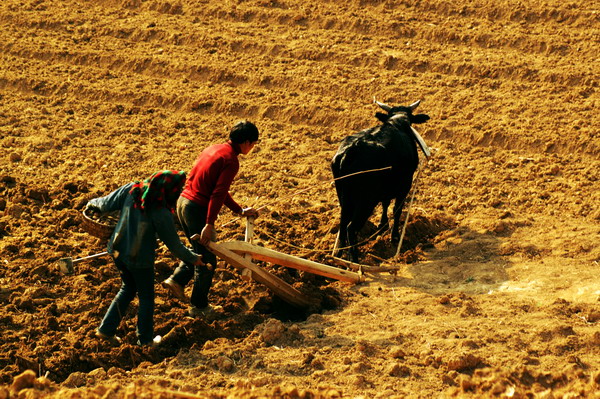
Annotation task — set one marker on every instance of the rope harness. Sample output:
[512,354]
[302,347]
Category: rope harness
[413,192]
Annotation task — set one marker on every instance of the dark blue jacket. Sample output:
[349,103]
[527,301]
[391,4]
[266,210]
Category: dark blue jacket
[134,240]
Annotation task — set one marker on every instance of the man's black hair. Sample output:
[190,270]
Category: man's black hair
[243,131]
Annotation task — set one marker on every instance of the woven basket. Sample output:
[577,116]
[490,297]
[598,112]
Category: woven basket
[102,229]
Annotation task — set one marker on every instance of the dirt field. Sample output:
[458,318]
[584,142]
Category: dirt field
[498,292]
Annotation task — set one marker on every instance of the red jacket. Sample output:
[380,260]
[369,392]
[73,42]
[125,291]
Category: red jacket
[210,178]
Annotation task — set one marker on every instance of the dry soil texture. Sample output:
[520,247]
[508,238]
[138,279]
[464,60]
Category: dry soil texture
[497,293]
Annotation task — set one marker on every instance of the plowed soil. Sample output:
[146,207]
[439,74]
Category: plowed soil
[496,292]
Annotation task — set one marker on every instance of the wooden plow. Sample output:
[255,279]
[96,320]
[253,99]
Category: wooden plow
[240,254]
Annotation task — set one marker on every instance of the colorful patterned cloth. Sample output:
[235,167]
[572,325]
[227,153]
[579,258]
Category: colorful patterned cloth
[160,190]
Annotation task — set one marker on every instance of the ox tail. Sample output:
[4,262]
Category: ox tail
[336,169]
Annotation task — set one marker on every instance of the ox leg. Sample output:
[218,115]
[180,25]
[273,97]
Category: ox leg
[396,227]
[398,204]
[383,223]
[359,218]
[342,241]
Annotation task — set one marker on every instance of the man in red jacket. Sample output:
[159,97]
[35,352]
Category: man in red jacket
[206,191]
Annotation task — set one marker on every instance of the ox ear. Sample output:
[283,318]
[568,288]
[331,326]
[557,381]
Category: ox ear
[382,117]
[419,118]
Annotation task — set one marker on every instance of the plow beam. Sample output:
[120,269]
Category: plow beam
[268,255]
[274,283]
[365,268]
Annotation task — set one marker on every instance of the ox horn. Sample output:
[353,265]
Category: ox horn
[382,105]
[414,105]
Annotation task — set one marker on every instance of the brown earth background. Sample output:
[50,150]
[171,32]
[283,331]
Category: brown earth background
[497,294]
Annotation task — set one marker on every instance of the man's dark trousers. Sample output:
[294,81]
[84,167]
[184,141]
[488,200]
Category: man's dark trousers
[192,218]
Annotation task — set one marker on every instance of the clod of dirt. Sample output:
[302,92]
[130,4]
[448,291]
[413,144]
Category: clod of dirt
[398,370]
[76,379]
[397,352]
[22,381]
[225,364]
[463,361]
[271,331]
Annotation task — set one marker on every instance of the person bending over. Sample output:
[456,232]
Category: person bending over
[146,213]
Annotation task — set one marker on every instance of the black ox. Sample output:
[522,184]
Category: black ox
[380,163]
